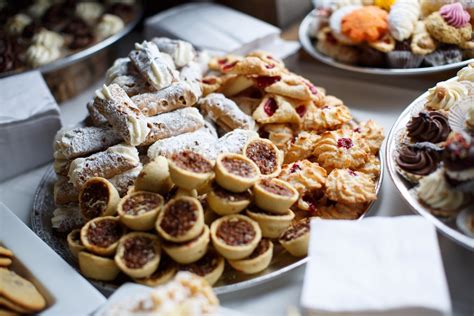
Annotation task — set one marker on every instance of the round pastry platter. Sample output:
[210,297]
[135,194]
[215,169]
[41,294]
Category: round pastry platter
[231,280]
[450,227]
[309,47]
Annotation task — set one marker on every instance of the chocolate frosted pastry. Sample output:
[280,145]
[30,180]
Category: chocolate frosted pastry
[101,235]
[9,54]
[296,238]
[458,157]
[272,225]
[189,170]
[274,195]
[138,210]
[210,267]
[166,271]
[235,236]
[98,197]
[258,260]
[190,251]
[225,202]
[235,172]
[266,156]
[414,163]
[97,267]
[182,219]
[74,242]
[429,126]
[138,254]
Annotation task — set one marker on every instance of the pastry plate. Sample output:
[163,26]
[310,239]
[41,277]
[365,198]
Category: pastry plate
[231,280]
[448,227]
[308,46]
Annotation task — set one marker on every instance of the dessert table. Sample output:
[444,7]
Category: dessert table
[379,98]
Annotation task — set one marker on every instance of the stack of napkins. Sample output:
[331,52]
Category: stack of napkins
[29,119]
[377,266]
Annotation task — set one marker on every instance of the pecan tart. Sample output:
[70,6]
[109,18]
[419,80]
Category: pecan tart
[189,170]
[97,267]
[296,238]
[236,172]
[274,195]
[182,219]
[210,267]
[166,271]
[155,177]
[189,251]
[138,254]
[258,260]
[74,242]
[101,235]
[98,197]
[266,156]
[272,225]
[235,236]
[138,210]
[225,202]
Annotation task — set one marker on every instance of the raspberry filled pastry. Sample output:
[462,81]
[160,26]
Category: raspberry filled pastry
[277,109]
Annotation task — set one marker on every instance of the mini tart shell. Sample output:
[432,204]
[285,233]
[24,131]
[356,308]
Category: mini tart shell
[254,265]
[235,252]
[272,226]
[110,250]
[140,222]
[193,232]
[271,202]
[213,276]
[233,182]
[162,278]
[155,177]
[113,197]
[148,268]
[191,251]
[278,155]
[188,179]
[297,247]
[74,246]
[96,267]
[224,206]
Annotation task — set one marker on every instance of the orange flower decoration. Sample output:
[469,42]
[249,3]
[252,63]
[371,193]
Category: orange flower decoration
[365,24]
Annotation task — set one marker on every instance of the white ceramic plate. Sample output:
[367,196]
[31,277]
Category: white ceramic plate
[66,291]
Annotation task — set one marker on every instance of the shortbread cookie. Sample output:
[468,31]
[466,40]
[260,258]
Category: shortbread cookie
[304,176]
[20,291]
[301,146]
[341,149]
[326,118]
[5,252]
[65,192]
[66,218]
[13,309]
[372,134]
[113,161]
[225,113]
[5,262]
[124,116]
[95,117]
[348,186]
[182,52]
[276,109]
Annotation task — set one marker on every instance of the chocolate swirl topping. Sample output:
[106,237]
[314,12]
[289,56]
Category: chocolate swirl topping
[428,127]
[418,161]
[459,152]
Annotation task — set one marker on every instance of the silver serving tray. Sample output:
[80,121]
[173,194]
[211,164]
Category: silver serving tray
[231,281]
[448,227]
[308,46]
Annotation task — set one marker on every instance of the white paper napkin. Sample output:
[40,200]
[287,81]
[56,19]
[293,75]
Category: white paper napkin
[376,266]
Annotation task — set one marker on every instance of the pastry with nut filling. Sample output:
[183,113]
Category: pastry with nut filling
[74,242]
[101,235]
[98,197]
[274,195]
[296,238]
[235,236]
[258,260]
[189,251]
[189,170]
[166,271]
[236,172]
[210,267]
[265,155]
[272,225]
[138,210]
[97,267]
[225,202]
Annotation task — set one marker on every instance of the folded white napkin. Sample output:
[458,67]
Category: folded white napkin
[376,266]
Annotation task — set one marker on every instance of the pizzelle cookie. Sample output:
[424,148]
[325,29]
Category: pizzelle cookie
[20,291]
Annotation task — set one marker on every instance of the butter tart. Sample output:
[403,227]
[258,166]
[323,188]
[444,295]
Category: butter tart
[265,155]
[138,254]
[155,177]
[236,172]
[235,236]
[274,195]
[189,170]
[98,197]
[210,267]
[166,271]
[101,235]
[74,242]
[225,202]
[97,267]
[182,219]
[138,210]
[189,251]
[296,238]
[258,260]
[272,225]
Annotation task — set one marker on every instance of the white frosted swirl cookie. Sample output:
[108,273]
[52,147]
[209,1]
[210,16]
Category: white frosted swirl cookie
[327,117]
[402,18]
[446,94]
[89,11]
[48,39]
[37,55]
[108,25]
[304,176]
[17,23]
[466,74]
[348,186]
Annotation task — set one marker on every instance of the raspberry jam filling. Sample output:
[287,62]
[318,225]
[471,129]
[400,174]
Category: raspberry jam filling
[345,142]
[265,81]
[295,167]
[270,107]
[301,110]
[229,66]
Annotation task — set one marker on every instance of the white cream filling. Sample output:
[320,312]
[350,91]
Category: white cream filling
[137,129]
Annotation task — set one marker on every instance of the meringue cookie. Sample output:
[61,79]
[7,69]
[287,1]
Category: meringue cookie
[108,25]
[89,11]
[17,23]
[446,94]
[335,23]
[49,39]
[402,18]
[38,55]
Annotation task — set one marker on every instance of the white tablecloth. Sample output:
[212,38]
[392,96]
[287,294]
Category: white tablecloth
[379,98]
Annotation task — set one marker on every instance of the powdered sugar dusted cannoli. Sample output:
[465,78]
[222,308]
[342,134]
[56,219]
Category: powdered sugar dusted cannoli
[61,166]
[65,192]
[155,67]
[174,123]
[225,112]
[234,141]
[121,67]
[124,116]
[124,180]
[133,85]
[95,117]
[192,74]
[83,141]
[182,52]
[106,164]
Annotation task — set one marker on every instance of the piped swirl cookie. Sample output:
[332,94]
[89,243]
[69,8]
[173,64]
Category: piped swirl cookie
[348,186]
